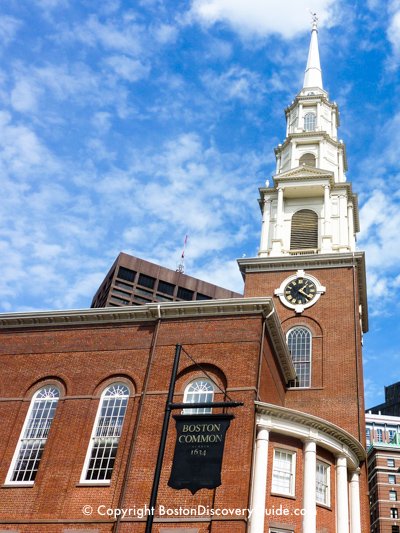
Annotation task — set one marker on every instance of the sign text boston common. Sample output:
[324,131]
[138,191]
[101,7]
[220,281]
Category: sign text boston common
[199,450]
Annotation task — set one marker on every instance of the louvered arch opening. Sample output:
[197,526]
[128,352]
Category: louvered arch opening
[304,234]
[308,159]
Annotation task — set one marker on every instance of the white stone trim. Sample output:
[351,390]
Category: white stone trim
[260,480]
[280,291]
[304,426]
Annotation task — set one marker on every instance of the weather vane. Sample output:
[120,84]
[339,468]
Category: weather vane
[314,17]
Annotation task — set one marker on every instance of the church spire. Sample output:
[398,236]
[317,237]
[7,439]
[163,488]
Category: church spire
[313,74]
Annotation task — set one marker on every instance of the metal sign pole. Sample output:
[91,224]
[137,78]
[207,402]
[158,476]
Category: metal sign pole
[163,440]
[169,406]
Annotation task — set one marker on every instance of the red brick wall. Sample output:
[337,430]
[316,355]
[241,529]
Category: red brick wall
[336,393]
[83,360]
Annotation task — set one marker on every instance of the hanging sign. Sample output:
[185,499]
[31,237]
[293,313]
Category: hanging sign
[199,449]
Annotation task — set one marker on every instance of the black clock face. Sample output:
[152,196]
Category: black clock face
[300,291]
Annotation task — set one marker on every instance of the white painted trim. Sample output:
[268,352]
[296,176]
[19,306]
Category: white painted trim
[83,480]
[304,426]
[280,291]
[10,472]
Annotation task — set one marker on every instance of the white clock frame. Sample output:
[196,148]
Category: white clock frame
[299,308]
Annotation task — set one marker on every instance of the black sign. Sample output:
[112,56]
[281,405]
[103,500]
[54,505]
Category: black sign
[199,450]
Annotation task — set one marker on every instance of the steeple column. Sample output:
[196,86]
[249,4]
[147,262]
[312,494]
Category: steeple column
[292,152]
[318,122]
[278,163]
[326,244]
[300,119]
[350,224]
[277,241]
[343,229]
[341,164]
[266,218]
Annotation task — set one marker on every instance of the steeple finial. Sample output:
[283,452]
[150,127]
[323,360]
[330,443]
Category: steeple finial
[313,74]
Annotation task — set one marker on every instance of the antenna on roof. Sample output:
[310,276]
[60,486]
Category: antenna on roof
[181,265]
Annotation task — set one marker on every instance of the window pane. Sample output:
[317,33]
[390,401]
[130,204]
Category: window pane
[322,483]
[33,440]
[299,343]
[126,274]
[199,391]
[185,294]
[146,281]
[107,432]
[282,475]
[310,120]
[165,287]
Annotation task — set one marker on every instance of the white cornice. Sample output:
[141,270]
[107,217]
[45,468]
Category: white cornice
[309,136]
[312,261]
[303,426]
[165,311]
[305,172]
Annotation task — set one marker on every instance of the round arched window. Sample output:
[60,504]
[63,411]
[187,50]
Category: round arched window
[299,343]
[308,159]
[199,391]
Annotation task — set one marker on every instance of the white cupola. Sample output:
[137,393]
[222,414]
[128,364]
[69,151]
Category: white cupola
[311,208]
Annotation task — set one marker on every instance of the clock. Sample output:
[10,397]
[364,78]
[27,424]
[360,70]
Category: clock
[299,291]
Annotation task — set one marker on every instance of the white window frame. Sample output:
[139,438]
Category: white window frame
[327,473]
[275,530]
[292,473]
[308,121]
[23,438]
[368,436]
[379,435]
[393,478]
[394,513]
[393,492]
[391,462]
[94,436]
[310,356]
[187,397]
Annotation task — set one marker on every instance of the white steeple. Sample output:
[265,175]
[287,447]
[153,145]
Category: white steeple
[310,208]
[313,74]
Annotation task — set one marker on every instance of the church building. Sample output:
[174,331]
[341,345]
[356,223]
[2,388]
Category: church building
[83,392]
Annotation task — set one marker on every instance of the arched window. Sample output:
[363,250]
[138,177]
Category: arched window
[299,342]
[199,391]
[310,121]
[379,435]
[34,435]
[106,433]
[304,230]
[308,159]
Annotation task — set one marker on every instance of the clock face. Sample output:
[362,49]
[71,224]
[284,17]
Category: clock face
[300,291]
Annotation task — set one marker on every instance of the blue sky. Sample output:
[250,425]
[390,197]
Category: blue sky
[125,125]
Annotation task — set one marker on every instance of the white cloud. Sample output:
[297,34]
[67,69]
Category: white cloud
[123,35]
[235,84]
[165,33]
[24,96]
[8,28]
[393,31]
[260,18]
[128,68]
[21,149]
